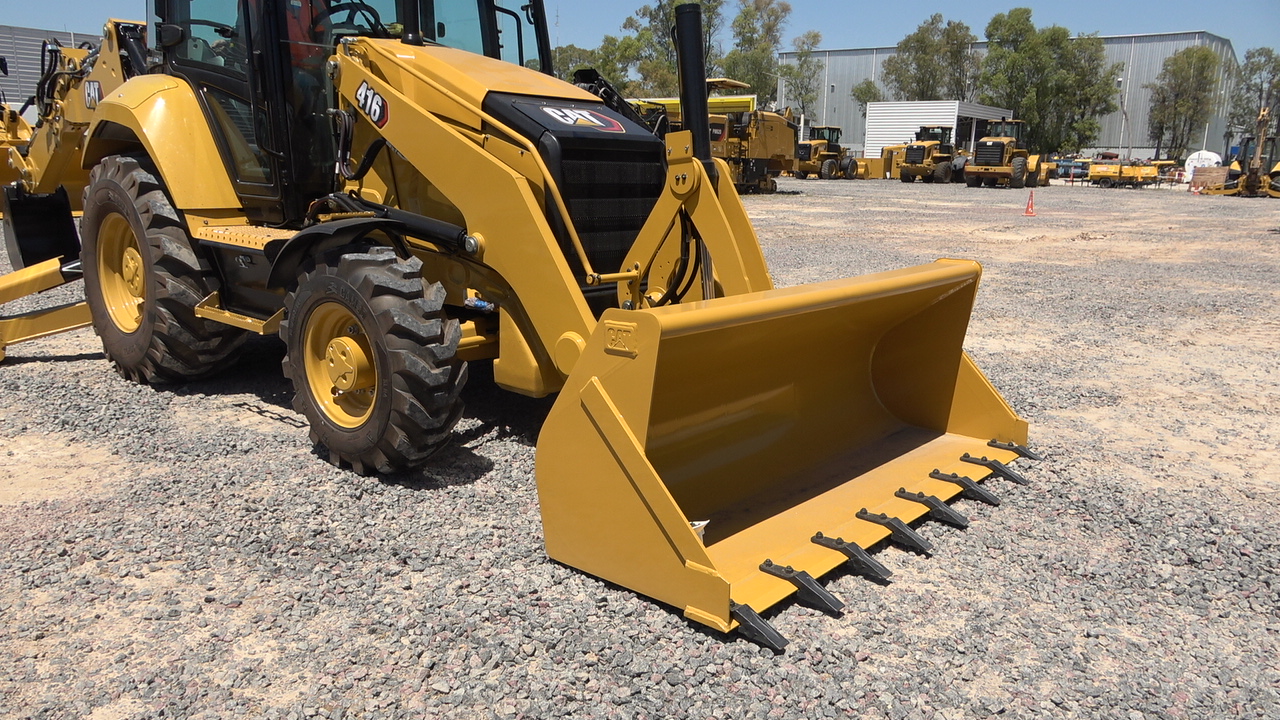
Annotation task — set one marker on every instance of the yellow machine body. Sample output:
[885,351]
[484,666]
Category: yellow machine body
[681,453]
[15,134]
[758,146]
[824,156]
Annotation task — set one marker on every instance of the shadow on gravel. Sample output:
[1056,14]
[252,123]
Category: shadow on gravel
[454,465]
[79,357]
[256,372]
[512,416]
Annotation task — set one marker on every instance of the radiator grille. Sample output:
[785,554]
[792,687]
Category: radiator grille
[989,153]
[804,151]
[915,154]
[609,194]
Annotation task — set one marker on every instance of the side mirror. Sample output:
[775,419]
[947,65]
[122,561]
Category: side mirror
[171,35]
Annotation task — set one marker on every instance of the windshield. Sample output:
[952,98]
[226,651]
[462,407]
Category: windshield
[511,30]
[1005,129]
[939,134]
[830,134]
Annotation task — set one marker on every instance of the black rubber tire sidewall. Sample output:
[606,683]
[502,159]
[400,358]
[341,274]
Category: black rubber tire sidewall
[102,199]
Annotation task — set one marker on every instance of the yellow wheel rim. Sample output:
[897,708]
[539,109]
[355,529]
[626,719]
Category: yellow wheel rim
[338,360]
[121,273]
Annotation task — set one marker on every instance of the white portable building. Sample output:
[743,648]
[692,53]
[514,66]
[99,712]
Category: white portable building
[895,123]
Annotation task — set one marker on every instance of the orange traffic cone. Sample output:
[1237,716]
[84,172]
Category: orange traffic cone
[1031,205]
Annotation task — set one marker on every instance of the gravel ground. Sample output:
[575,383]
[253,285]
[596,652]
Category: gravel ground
[184,553]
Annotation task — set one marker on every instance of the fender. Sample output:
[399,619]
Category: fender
[162,114]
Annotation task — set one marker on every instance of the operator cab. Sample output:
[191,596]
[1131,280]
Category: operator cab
[258,67]
[935,133]
[1008,128]
[829,134]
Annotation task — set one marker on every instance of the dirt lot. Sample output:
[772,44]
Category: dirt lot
[183,550]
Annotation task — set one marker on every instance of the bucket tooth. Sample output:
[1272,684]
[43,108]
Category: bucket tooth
[971,490]
[898,530]
[938,509]
[997,468]
[808,591]
[1022,450]
[755,628]
[858,558]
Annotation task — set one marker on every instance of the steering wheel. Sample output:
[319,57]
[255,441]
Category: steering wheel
[352,7]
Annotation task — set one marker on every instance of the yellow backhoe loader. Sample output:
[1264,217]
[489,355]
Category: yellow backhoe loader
[1260,176]
[397,188]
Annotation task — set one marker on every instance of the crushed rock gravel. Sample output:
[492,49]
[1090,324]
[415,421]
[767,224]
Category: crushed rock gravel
[182,552]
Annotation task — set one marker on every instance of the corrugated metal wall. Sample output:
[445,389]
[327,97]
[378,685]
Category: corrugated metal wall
[1143,56]
[894,123]
[21,47]
[842,69]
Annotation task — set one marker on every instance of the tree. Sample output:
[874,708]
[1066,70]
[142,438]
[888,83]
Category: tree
[568,58]
[801,76]
[1257,86]
[936,62]
[866,92]
[1058,84]
[1182,99]
[655,59]
[757,36]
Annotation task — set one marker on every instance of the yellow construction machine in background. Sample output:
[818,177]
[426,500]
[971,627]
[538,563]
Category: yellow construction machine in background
[395,198]
[1260,176]
[930,156]
[824,156]
[1001,158]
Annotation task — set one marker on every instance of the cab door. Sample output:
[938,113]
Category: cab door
[220,48]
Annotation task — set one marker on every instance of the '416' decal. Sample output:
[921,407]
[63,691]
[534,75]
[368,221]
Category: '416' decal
[372,104]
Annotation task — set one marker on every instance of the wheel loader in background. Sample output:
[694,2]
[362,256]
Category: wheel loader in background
[757,146]
[824,156]
[930,157]
[1260,176]
[1001,158]
[395,190]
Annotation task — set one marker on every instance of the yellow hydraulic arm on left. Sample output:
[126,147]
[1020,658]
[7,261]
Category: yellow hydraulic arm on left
[39,323]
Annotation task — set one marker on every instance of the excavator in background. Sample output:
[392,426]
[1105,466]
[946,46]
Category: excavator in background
[1260,176]
[930,157]
[824,156]
[1001,158]
[396,189]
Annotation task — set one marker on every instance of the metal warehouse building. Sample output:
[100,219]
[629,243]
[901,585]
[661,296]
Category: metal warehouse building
[1124,131]
[21,47]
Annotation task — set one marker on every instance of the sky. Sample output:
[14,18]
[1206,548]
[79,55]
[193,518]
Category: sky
[843,23]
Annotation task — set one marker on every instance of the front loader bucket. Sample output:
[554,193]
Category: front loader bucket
[771,417]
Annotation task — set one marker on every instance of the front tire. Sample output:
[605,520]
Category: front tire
[942,172]
[828,169]
[1018,173]
[143,279]
[371,357]
[972,181]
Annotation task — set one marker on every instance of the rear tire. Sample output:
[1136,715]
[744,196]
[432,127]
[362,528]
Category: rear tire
[972,181]
[991,181]
[143,278]
[942,172]
[800,174]
[828,169]
[371,357]
[906,178]
[1018,173]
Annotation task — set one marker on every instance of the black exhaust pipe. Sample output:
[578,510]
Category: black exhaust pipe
[411,18]
[692,64]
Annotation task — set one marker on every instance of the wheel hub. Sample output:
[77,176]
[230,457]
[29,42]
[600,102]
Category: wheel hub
[349,367]
[121,273]
[339,364]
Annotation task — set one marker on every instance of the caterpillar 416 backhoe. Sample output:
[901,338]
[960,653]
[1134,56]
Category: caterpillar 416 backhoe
[493,212]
